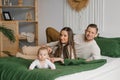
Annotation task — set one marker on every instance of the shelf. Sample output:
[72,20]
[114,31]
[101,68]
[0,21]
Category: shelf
[27,21]
[22,38]
[24,21]
[15,6]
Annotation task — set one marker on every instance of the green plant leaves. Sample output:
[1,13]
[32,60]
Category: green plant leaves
[8,33]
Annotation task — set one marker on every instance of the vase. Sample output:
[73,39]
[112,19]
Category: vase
[20,2]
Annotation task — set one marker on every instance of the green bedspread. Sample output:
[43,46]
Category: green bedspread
[12,68]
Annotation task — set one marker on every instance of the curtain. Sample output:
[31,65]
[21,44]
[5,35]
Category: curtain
[78,21]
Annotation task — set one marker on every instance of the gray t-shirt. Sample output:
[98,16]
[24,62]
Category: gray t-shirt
[86,50]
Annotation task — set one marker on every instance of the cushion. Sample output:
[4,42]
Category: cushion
[109,46]
[51,34]
[30,50]
[18,54]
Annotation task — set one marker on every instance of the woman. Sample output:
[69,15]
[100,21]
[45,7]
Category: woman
[64,47]
[85,45]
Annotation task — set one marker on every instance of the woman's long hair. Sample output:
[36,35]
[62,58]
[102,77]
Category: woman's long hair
[69,44]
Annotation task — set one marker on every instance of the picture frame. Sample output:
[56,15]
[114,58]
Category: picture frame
[7,15]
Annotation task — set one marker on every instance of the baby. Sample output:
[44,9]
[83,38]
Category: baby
[43,60]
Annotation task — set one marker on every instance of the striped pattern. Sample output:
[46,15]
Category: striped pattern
[78,21]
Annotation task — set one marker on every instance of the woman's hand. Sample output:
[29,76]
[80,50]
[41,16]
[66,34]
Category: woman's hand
[88,60]
[52,60]
[57,59]
[49,49]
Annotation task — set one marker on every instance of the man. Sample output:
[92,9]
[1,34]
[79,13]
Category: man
[85,45]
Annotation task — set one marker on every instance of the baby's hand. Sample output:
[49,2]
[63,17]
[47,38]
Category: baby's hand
[52,60]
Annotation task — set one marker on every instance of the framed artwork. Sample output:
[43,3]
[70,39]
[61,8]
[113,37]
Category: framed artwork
[7,15]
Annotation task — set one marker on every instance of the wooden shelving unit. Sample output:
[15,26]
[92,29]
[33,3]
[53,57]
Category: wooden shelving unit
[24,24]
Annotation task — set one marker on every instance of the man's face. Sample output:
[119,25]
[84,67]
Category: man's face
[90,33]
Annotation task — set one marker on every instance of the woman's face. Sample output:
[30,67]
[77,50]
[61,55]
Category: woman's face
[64,37]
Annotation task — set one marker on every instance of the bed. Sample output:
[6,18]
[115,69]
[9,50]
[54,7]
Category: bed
[14,68]
[107,68]
[109,71]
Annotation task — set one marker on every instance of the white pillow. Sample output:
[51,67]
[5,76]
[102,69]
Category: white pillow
[30,50]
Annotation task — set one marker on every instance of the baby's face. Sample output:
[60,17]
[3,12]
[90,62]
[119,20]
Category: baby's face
[43,54]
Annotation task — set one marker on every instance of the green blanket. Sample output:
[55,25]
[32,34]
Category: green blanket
[12,68]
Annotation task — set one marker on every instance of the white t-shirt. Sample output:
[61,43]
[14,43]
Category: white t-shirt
[36,63]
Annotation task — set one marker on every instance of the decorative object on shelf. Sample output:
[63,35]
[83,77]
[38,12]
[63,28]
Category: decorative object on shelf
[78,5]
[23,35]
[10,3]
[6,2]
[6,15]
[28,16]
[20,2]
[30,37]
